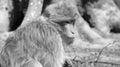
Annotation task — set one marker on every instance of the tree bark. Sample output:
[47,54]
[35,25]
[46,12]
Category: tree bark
[34,11]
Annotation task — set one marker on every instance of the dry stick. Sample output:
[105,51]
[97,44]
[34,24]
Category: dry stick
[96,61]
[99,54]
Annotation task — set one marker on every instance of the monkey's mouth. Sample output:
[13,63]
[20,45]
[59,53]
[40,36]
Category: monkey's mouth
[17,13]
[67,40]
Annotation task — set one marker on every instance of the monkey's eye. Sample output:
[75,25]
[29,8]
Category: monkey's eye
[65,22]
[71,22]
[68,22]
[61,23]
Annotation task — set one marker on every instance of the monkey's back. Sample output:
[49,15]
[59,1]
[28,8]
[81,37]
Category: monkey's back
[39,41]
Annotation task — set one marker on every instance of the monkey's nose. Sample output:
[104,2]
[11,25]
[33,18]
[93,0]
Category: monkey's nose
[73,33]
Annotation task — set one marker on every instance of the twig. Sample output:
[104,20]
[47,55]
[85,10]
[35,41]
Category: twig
[99,54]
[97,62]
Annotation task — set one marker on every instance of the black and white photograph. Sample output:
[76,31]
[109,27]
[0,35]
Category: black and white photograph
[59,33]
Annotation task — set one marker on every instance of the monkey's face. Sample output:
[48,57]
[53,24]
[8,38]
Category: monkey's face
[64,16]
[67,30]
[68,27]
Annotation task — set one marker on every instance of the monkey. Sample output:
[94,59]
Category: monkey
[64,17]
[104,17]
[71,23]
[38,44]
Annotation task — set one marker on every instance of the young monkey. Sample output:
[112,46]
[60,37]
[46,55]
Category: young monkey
[38,44]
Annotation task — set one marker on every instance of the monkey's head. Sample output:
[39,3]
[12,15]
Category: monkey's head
[64,16]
